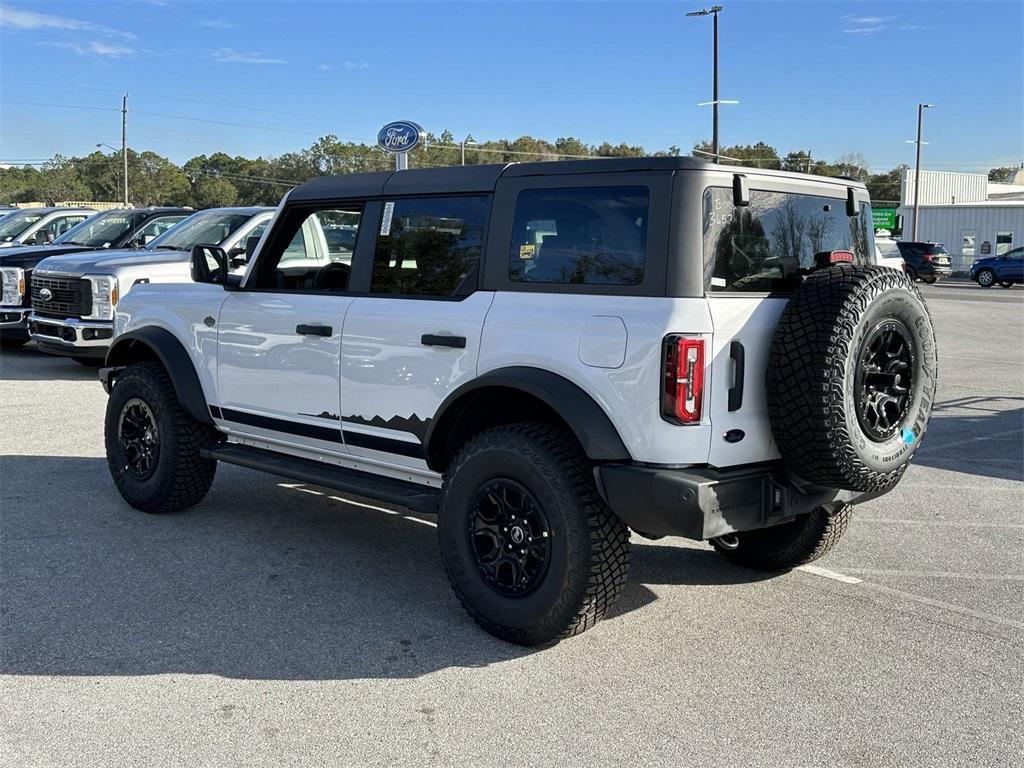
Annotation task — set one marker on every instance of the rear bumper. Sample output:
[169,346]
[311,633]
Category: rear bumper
[71,336]
[702,502]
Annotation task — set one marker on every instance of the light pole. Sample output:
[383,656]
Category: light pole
[715,148]
[917,168]
[112,149]
[462,146]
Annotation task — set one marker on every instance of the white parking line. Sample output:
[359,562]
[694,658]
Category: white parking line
[817,570]
[937,574]
[941,523]
[945,606]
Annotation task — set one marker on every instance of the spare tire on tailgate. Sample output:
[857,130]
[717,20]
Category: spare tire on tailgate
[851,377]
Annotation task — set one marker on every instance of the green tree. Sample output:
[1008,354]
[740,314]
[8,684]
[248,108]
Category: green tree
[1002,174]
[61,181]
[213,192]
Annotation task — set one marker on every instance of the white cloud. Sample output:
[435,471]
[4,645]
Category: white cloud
[345,64]
[869,20]
[864,30]
[242,57]
[95,48]
[14,18]
[216,24]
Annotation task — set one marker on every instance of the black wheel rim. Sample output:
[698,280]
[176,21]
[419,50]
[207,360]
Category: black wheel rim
[139,437]
[509,538]
[884,379]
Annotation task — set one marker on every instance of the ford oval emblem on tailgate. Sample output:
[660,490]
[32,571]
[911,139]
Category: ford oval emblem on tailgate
[734,435]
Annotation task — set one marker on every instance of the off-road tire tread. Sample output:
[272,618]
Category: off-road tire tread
[555,452]
[813,536]
[191,474]
[806,407]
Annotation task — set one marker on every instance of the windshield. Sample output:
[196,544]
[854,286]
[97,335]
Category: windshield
[204,228]
[13,225]
[100,230]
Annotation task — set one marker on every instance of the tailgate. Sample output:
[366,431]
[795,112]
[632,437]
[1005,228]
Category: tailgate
[743,329]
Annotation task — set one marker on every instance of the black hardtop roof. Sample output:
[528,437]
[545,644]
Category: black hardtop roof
[483,178]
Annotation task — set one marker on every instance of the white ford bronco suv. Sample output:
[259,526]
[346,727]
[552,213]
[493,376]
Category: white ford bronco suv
[546,355]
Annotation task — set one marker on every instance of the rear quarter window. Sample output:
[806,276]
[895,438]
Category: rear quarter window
[766,246]
[580,235]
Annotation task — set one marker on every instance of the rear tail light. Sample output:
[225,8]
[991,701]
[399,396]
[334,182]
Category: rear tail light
[927,257]
[682,394]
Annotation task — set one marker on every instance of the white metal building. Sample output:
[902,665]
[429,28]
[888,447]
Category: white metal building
[966,213]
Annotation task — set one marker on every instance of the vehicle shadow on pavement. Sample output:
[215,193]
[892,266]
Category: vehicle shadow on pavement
[978,436]
[29,364]
[263,580]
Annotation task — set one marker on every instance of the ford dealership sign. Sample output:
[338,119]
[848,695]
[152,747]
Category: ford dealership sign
[400,136]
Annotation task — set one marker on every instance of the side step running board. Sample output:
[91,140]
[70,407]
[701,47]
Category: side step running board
[413,496]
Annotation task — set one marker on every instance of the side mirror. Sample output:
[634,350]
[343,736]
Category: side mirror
[740,190]
[209,264]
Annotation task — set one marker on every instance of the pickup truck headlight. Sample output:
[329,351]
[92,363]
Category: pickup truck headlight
[104,296]
[13,279]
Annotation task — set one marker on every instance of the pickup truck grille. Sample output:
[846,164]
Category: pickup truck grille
[69,296]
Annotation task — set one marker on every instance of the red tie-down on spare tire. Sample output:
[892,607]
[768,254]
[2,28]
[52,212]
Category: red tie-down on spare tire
[851,377]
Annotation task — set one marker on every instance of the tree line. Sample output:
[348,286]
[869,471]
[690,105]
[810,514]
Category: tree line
[222,180]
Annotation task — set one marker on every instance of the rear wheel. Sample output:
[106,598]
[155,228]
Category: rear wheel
[532,552]
[911,273]
[1006,283]
[986,278]
[153,445]
[789,545]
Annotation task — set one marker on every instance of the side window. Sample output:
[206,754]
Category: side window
[156,227]
[62,224]
[764,246]
[301,257]
[582,235]
[429,246]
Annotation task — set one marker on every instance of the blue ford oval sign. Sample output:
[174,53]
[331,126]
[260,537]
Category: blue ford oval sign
[400,136]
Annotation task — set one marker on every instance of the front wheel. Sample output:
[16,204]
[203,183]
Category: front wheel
[532,552]
[789,545]
[986,278]
[153,445]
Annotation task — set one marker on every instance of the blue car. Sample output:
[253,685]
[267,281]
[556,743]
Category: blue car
[1005,270]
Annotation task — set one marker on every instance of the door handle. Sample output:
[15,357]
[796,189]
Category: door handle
[737,355]
[439,340]
[311,329]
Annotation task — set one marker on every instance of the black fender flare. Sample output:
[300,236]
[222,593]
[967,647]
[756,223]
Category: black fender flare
[586,419]
[175,359]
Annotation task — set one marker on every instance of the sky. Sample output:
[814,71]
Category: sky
[263,78]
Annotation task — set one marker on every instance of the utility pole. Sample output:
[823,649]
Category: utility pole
[124,145]
[917,167]
[716,149]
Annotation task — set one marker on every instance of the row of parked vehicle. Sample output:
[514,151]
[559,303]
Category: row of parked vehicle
[64,270]
[930,262]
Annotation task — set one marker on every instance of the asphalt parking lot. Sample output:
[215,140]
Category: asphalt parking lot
[279,624]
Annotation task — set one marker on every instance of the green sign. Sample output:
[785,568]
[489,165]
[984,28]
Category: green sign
[883,218]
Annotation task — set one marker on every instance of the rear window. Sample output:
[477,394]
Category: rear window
[580,235]
[764,247]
